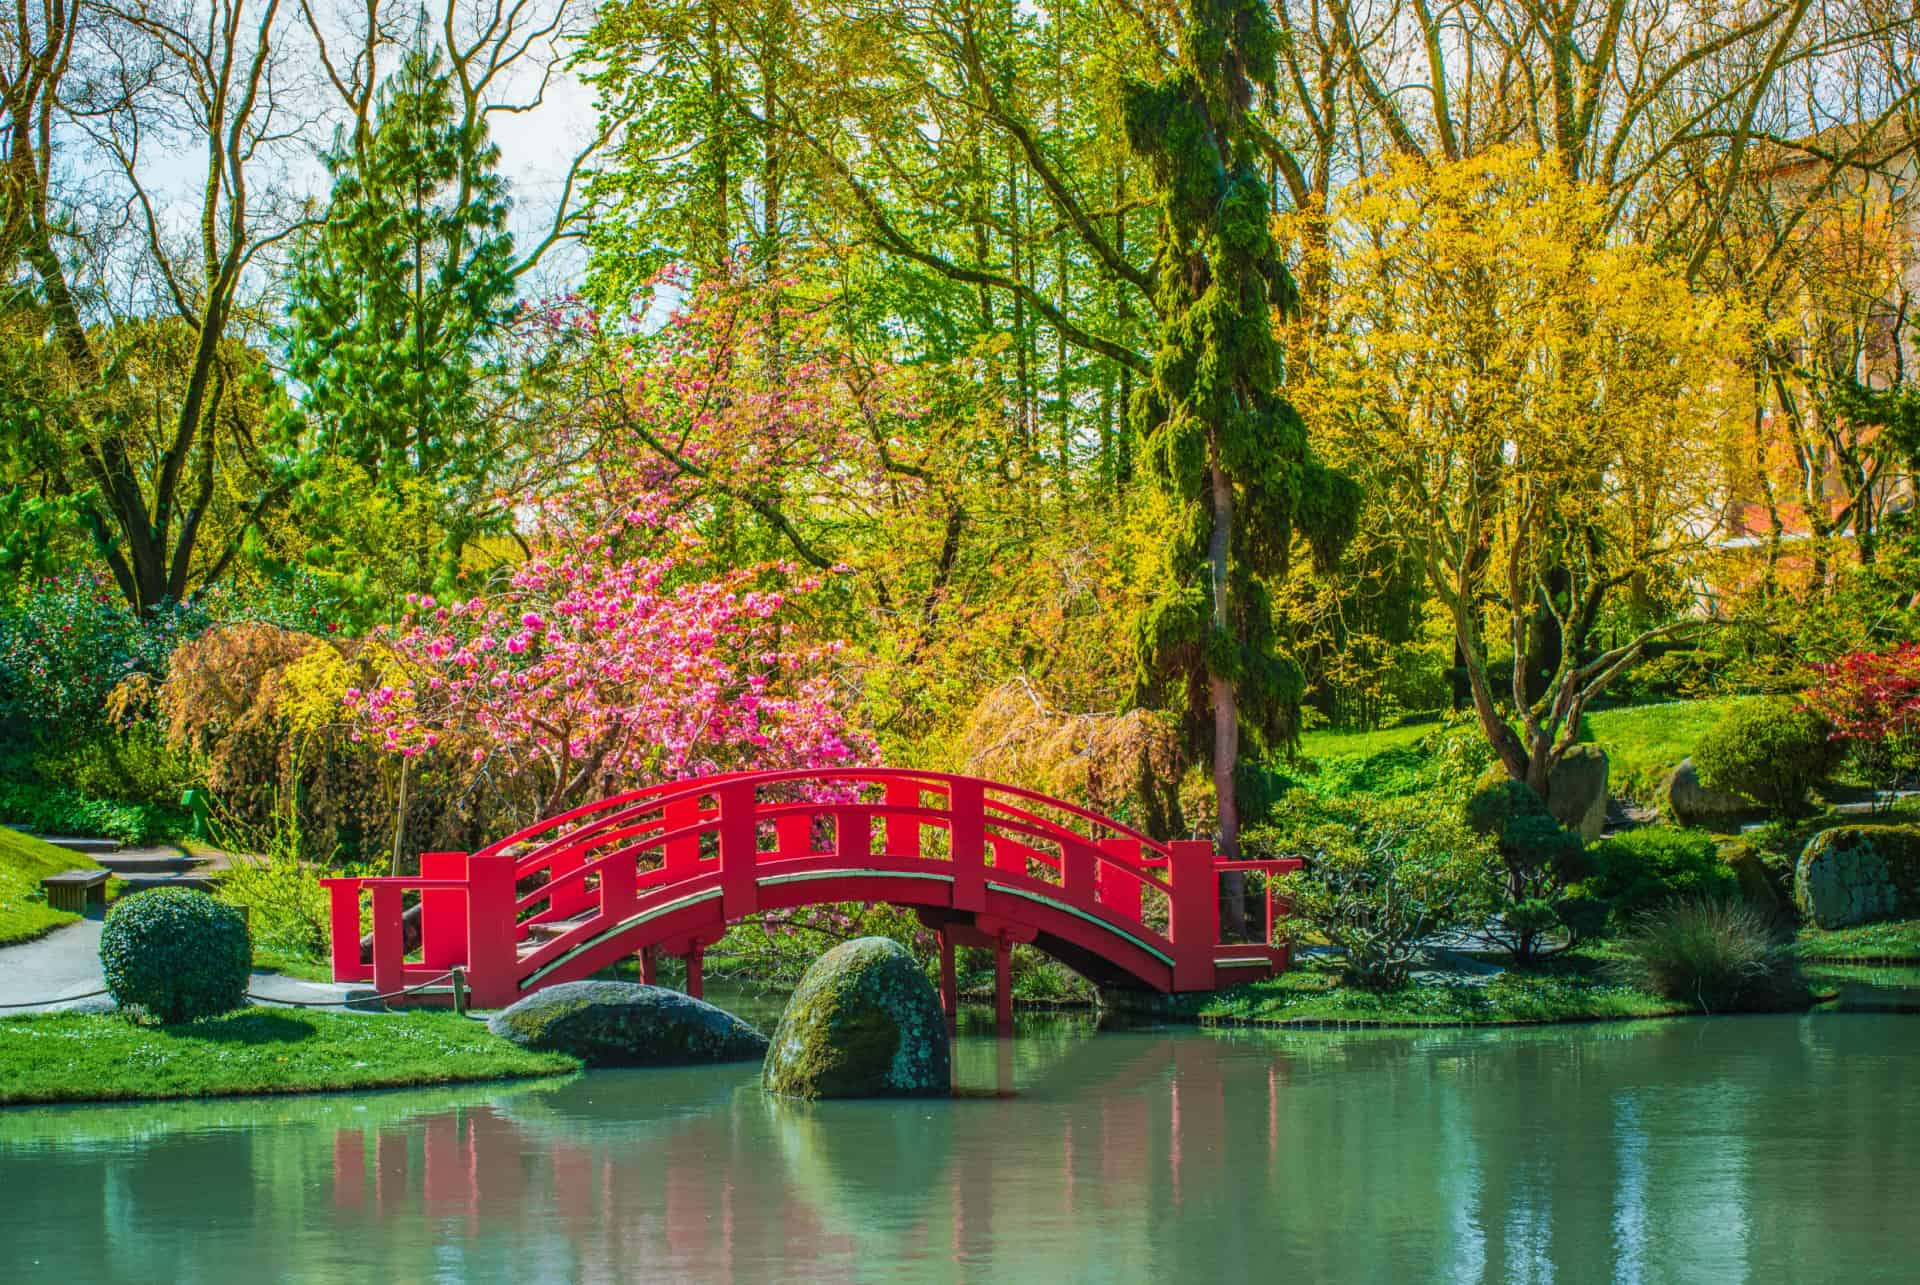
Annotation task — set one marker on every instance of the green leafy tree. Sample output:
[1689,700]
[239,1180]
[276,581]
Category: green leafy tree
[1218,438]
[398,301]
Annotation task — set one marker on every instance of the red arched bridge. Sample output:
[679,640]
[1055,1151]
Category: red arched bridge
[666,869]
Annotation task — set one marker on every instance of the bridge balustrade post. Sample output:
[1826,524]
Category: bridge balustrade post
[443,911]
[682,854]
[967,840]
[1119,890]
[389,939]
[493,956]
[1077,871]
[1193,918]
[343,914]
[903,832]
[618,878]
[739,851]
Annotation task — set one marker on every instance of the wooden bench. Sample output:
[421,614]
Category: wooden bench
[71,890]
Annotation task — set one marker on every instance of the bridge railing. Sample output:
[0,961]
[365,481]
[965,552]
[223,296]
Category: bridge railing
[591,869]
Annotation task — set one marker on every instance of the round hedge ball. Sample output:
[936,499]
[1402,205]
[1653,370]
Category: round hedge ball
[176,954]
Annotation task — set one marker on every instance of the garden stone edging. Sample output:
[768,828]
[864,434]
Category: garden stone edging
[625,1024]
[863,1023]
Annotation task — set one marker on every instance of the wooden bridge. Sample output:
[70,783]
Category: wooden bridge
[666,869]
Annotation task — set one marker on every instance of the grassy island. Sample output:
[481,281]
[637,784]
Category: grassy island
[98,1057]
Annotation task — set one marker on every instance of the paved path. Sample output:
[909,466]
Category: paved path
[66,962]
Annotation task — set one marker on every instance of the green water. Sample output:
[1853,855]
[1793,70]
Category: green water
[1761,1149]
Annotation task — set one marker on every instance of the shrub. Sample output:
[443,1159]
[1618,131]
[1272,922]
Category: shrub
[1539,859]
[288,912]
[1773,751]
[1639,870]
[1725,956]
[176,954]
[54,810]
[70,640]
[1381,876]
[1872,700]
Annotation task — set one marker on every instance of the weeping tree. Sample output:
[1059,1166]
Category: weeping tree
[1222,444]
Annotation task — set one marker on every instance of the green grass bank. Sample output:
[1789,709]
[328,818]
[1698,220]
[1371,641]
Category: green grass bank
[102,1057]
[24,862]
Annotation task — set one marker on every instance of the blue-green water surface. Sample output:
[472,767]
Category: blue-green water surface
[1737,1149]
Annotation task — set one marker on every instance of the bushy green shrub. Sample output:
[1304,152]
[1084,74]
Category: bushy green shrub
[1639,870]
[128,765]
[175,954]
[1381,877]
[54,810]
[1723,956]
[1539,858]
[287,909]
[1772,750]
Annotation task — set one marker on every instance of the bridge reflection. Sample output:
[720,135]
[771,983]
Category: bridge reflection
[731,1182]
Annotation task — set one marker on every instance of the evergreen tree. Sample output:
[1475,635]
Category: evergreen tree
[396,301]
[1217,436]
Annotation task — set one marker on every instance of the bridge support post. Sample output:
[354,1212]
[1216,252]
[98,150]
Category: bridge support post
[695,957]
[949,984]
[649,966]
[1002,987]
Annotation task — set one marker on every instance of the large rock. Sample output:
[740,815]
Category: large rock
[1854,874]
[621,1024]
[1577,791]
[1690,802]
[864,1023]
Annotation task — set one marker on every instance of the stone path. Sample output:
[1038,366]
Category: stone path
[67,962]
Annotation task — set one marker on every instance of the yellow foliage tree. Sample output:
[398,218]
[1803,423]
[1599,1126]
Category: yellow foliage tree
[1542,418]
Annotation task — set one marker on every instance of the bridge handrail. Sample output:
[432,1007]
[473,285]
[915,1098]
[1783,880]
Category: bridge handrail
[1020,822]
[649,798]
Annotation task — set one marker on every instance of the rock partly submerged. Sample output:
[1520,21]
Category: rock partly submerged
[863,1023]
[623,1024]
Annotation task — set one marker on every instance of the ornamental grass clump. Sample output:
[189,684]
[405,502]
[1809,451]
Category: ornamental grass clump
[1723,956]
[175,954]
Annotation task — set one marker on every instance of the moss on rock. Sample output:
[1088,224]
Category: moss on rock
[863,1023]
[1855,874]
[621,1024]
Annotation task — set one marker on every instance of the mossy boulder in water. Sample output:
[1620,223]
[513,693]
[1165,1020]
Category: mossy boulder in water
[621,1024]
[864,1023]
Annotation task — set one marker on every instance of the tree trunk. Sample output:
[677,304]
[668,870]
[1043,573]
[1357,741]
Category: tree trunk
[1226,711]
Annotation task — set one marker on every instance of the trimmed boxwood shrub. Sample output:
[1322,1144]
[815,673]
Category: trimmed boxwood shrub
[176,954]
[1639,870]
[1772,750]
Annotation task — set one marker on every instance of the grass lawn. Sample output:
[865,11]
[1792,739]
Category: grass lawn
[24,862]
[1312,995]
[1645,742]
[1329,744]
[73,1057]
[1894,939]
[289,964]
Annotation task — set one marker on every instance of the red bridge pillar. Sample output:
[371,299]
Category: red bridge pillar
[1194,916]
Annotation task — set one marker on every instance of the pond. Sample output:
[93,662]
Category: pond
[1758,1148]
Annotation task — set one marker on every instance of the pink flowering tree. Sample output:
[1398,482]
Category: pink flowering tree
[590,673]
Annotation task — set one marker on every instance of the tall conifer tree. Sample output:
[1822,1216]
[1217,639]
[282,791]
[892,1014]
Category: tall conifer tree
[1217,437]
[398,297]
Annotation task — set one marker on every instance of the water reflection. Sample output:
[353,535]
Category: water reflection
[1730,1150]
